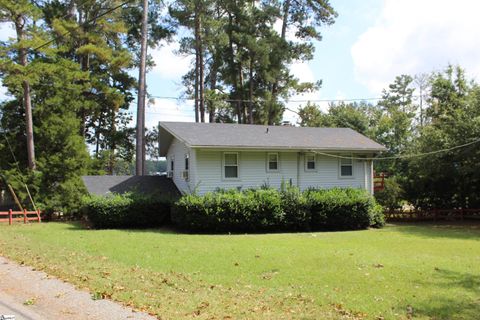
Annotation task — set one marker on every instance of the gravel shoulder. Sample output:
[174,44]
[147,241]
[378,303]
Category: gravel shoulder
[33,295]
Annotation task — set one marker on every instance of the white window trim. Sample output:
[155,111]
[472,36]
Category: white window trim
[306,162]
[268,162]
[340,168]
[238,166]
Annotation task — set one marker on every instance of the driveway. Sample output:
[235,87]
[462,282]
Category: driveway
[33,295]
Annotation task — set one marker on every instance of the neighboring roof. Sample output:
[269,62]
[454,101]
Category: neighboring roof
[220,135]
[151,185]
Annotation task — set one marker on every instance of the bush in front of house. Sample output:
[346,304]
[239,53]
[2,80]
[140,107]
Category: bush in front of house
[297,213]
[272,210]
[340,209]
[128,210]
[230,211]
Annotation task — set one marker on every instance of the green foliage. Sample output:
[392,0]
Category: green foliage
[392,195]
[230,211]
[357,116]
[126,211]
[240,56]
[297,214]
[449,179]
[340,209]
[272,210]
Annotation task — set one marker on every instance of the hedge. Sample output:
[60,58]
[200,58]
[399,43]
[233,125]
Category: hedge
[265,210]
[128,210]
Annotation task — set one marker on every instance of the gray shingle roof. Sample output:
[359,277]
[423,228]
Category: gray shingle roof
[214,135]
[151,185]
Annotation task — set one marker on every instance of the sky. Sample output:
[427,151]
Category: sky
[371,42]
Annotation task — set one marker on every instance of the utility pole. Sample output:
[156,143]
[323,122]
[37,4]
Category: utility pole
[140,147]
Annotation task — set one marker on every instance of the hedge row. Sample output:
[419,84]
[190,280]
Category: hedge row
[128,210]
[271,210]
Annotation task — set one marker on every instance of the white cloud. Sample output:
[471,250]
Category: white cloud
[411,37]
[168,64]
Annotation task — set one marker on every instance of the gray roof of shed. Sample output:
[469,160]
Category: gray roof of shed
[226,135]
[149,185]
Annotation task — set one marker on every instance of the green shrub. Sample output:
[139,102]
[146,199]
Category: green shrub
[392,195]
[297,215]
[272,210]
[340,209]
[232,211]
[378,217]
[128,210]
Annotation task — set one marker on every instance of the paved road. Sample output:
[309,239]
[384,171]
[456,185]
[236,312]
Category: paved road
[8,306]
[51,298]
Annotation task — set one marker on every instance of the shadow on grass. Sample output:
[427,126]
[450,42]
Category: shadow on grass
[80,226]
[467,229]
[465,305]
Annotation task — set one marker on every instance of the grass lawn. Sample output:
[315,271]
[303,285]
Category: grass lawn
[428,271]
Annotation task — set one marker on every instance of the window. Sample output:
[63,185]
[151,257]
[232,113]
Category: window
[310,162]
[346,167]
[272,162]
[230,165]
[187,156]
[172,163]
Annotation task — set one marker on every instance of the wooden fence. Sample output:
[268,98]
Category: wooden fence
[24,216]
[433,214]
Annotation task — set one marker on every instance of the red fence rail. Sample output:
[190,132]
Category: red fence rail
[24,216]
[433,214]
[379,181]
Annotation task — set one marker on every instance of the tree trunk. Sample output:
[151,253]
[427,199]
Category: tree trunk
[250,97]
[213,86]
[113,145]
[197,62]
[140,147]
[233,70]
[201,72]
[240,95]
[97,136]
[27,101]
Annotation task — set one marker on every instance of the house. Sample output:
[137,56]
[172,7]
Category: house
[203,157]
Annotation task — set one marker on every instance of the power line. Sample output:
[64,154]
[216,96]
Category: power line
[283,100]
[83,24]
[404,156]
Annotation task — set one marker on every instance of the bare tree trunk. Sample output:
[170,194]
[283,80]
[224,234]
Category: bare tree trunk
[213,86]
[240,95]
[97,136]
[197,62]
[201,76]
[250,98]
[27,101]
[140,147]
[113,146]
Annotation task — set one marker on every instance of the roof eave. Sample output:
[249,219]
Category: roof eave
[293,148]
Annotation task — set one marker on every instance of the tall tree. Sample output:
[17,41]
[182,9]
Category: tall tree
[22,14]
[140,154]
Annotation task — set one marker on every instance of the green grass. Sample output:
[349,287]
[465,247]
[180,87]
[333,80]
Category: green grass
[430,271]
